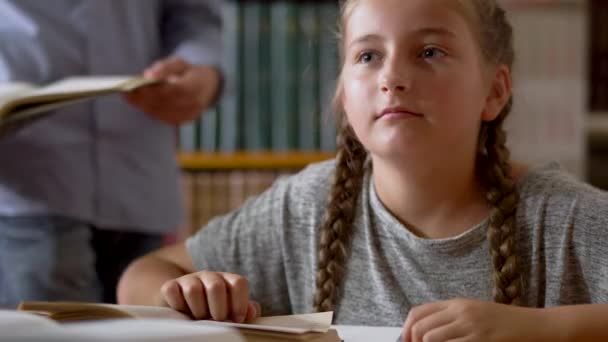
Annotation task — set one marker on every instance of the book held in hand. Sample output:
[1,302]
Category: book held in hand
[22,103]
[91,317]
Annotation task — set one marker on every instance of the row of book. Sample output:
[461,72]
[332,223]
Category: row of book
[208,194]
[281,65]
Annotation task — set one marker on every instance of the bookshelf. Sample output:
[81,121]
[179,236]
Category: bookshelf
[216,183]
[280,68]
[267,160]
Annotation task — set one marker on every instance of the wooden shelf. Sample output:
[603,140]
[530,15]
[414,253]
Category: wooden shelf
[197,161]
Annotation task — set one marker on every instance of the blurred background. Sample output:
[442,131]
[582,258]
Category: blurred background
[281,65]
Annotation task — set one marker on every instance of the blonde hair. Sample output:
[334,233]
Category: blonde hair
[495,37]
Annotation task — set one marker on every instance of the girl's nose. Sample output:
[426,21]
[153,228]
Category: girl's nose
[392,88]
[393,81]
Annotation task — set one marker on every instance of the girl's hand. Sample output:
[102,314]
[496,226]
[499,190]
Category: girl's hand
[210,295]
[472,320]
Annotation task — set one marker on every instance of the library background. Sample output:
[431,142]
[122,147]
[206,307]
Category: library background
[281,64]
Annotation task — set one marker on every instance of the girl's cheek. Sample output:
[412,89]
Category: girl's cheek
[358,85]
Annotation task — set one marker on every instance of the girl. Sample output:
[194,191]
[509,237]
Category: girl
[424,209]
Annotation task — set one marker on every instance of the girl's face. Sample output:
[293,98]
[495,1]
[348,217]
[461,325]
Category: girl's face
[414,82]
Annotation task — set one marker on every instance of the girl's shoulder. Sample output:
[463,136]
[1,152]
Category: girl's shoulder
[311,184]
[551,180]
[549,192]
[315,174]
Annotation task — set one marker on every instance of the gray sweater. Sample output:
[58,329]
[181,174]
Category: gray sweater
[272,241]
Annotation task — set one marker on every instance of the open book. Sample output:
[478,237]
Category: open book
[21,103]
[307,327]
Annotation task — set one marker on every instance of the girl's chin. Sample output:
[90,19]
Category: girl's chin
[395,151]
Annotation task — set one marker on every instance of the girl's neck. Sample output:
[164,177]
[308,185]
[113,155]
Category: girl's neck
[436,200]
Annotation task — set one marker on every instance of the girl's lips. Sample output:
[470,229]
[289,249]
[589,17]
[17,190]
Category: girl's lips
[396,112]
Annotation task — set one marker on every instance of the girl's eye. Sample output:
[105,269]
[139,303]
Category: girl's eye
[366,57]
[432,52]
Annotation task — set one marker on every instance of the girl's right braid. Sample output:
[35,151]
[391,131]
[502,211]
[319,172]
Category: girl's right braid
[336,229]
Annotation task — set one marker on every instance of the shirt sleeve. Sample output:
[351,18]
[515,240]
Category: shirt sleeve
[192,29]
[589,241]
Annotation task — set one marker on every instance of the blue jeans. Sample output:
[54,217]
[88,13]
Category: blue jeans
[57,258]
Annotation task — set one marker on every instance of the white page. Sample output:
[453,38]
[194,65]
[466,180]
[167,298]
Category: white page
[351,333]
[22,321]
[9,91]
[296,324]
[318,322]
[149,330]
[82,84]
[125,330]
[150,311]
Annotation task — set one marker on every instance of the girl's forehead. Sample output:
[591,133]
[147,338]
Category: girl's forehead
[405,17]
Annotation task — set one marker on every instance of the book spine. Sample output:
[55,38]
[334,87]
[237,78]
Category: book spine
[205,195]
[219,193]
[209,130]
[228,124]
[188,136]
[252,12]
[236,189]
[264,79]
[188,187]
[308,77]
[284,60]
[258,181]
[329,65]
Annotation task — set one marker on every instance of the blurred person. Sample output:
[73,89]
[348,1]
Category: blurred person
[93,186]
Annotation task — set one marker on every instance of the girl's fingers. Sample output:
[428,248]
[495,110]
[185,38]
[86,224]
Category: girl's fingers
[258,308]
[449,332]
[238,291]
[421,329]
[172,295]
[253,311]
[217,297]
[418,313]
[194,295]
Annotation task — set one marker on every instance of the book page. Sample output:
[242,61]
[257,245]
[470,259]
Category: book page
[141,311]
[17,321]
[317,322]
[9,91]
[149,330]
[87,84]
[64,311]
[293,324]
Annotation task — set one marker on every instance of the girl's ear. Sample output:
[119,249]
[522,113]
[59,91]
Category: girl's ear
[500,93]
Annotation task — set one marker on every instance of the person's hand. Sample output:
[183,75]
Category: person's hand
[186,91]
[210,295]
[472,320]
